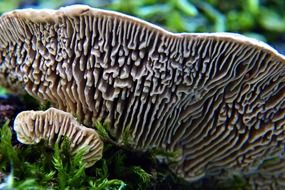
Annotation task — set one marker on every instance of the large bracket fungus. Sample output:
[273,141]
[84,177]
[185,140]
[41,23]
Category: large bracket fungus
[219,98]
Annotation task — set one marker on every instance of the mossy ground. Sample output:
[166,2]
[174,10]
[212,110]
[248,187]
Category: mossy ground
[43,167]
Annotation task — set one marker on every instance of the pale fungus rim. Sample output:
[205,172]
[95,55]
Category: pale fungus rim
[43,15]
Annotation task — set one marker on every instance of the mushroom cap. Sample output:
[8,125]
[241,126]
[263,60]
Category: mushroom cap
[53,124]
[216,97]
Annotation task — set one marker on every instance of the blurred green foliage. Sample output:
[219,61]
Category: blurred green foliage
[2,91]
[262,19]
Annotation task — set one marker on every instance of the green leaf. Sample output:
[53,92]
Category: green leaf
[101,130]
[214,15]
[271,21]
[151,11]
[7,151]
[187,7]
[240,21]
[175,21]
[252,6]
[28,184]
[104,184]
[144,177]
[8,5]
[127,137]
[3,91]
[58,165]
[102,172]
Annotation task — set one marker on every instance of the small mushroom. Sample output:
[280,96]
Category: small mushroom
[218,98]
[53,124]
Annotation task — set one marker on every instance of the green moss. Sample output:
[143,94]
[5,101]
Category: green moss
[43,167]
[102,130]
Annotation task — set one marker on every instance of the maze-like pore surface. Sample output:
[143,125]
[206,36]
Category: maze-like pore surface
[270,176]
[217,98]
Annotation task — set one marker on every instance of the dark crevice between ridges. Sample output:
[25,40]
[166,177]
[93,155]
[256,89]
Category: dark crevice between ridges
[128,107]
[227,149]
[178,131]
[207,155]
[95,40]
[86,58]
[57,85]
[219,59]
[213,59]
[164,128]
[98,92]
[35,87]
[171,131]
[137,101]
[139,118]
[158,121]
[117,128]
[142,79]
[208,109]
[112,116]
[105,113]
[124,120]
[199,64]
[253,71]
[149,116]
[195,121]
[207,62]
[145,106]
[202,49]
[77,94]
[82,82]
[143,128]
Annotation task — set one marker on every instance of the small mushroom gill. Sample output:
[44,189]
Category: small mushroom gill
[52,125]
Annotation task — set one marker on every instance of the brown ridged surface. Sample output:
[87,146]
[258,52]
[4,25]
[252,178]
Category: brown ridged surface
[270,175]
[218,98]
[51,125]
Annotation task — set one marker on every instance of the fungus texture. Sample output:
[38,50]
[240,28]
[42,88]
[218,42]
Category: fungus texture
[217,98]
[51,125]
[270,175]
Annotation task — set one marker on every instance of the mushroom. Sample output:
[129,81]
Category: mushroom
[218,98]
[53,124]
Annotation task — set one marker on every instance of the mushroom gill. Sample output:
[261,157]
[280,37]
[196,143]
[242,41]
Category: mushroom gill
[218,98]
[270,175]
[51,125]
